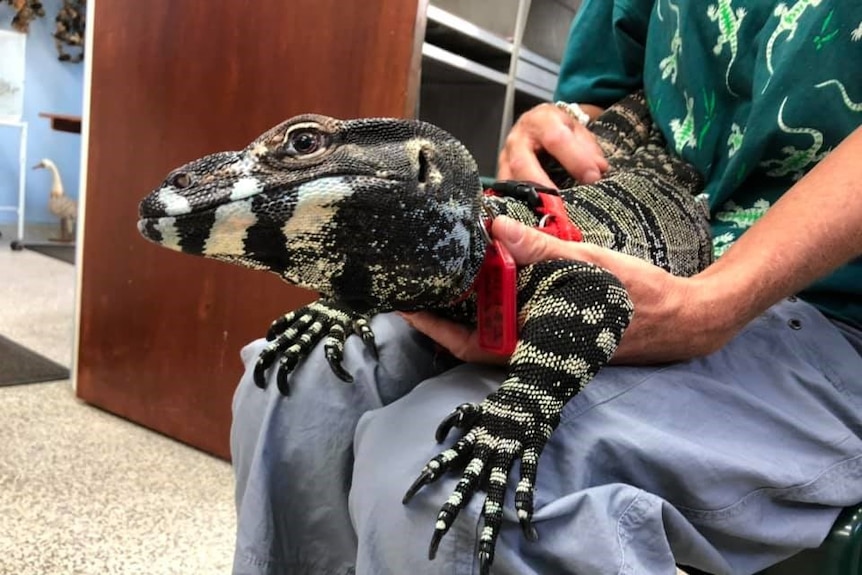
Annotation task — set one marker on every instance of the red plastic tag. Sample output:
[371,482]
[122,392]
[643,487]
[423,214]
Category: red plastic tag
[496,291]
[496,284]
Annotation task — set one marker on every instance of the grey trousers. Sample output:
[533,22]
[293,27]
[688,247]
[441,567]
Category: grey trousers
[727,463]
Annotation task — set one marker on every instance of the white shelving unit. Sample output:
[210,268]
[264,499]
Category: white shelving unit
[22,178]
[482,67]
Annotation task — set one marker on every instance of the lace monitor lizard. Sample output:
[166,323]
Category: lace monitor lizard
[387,214]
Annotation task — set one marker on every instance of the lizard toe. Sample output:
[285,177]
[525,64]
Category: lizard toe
[463,416]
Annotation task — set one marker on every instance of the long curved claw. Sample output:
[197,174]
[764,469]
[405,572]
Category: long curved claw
[435,543]
[485,560]
[338,369]
[446,425]
[432,471]
[489,455]
[286,363]
[333,351]
[465,415]
[529,529]
[371,345]
[281,381]
[524,499]
[294,335]
[260,373]
[445,519]
[363,330]
[425,477]
[474,475]
[264,361]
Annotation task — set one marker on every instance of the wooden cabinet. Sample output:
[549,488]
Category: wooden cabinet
[159,332]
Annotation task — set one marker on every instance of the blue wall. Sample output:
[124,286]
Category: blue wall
[50,86]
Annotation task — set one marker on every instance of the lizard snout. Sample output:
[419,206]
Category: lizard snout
[151,207]
[202,185]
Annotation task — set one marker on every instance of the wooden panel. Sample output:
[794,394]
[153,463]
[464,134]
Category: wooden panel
[161,331]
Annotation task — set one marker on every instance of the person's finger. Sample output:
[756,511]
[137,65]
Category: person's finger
[518,161]
[577,151]
[447,333]
[528,245]
[458,339]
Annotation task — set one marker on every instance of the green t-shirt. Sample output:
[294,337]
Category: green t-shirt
[752,92]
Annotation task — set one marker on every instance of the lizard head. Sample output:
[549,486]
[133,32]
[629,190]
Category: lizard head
[377,213]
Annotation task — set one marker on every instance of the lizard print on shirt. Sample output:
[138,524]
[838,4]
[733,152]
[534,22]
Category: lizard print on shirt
[683,130]
[798,160]
[728,21]
[850,104]
[388,214]
[669,64]
[788,21]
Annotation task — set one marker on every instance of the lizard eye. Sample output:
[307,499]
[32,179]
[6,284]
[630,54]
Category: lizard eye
[303,142]
[180,180]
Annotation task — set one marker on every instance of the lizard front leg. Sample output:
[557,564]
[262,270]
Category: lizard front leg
[573,316]
[295,334]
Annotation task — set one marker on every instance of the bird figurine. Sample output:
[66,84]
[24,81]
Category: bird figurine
[60,204]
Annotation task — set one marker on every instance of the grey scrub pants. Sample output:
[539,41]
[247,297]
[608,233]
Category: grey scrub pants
[726,463]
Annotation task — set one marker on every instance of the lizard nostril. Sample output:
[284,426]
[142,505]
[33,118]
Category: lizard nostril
[423,167]
[181,180]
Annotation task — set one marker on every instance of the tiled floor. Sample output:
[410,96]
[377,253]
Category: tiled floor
[83,491]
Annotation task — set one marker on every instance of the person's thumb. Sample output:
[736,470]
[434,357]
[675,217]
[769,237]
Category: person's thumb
[526,245]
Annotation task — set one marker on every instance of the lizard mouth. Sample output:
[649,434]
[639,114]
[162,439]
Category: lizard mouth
[148,228]
[187,232]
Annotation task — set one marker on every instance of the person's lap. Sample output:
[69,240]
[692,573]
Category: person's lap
[293,456]
[726,463]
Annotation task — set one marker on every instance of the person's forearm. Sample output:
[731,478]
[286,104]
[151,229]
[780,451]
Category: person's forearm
[813,229]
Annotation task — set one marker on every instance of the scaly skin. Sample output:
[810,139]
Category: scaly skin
[386,214]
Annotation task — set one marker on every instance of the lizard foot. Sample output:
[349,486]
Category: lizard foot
[498,431]
[293,336]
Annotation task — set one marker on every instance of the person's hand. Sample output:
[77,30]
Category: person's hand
[548,128]
[673,318]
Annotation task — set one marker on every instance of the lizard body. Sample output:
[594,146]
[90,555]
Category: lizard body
[386,214]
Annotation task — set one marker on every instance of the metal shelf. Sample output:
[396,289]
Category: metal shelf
[548,25]
[499,21]
[537,92]
[459,36]
[546,64]
[483,65]
[543,80]
[443,66]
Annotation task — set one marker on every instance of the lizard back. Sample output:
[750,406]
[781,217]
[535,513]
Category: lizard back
[646,205]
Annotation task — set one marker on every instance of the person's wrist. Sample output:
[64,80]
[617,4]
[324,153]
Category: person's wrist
[714,311]
[574,111]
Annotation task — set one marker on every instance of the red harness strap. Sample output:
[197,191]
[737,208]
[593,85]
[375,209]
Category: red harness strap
[556,220]
[496,285]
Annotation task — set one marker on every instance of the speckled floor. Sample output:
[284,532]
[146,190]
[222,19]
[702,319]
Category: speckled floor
[82,491]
